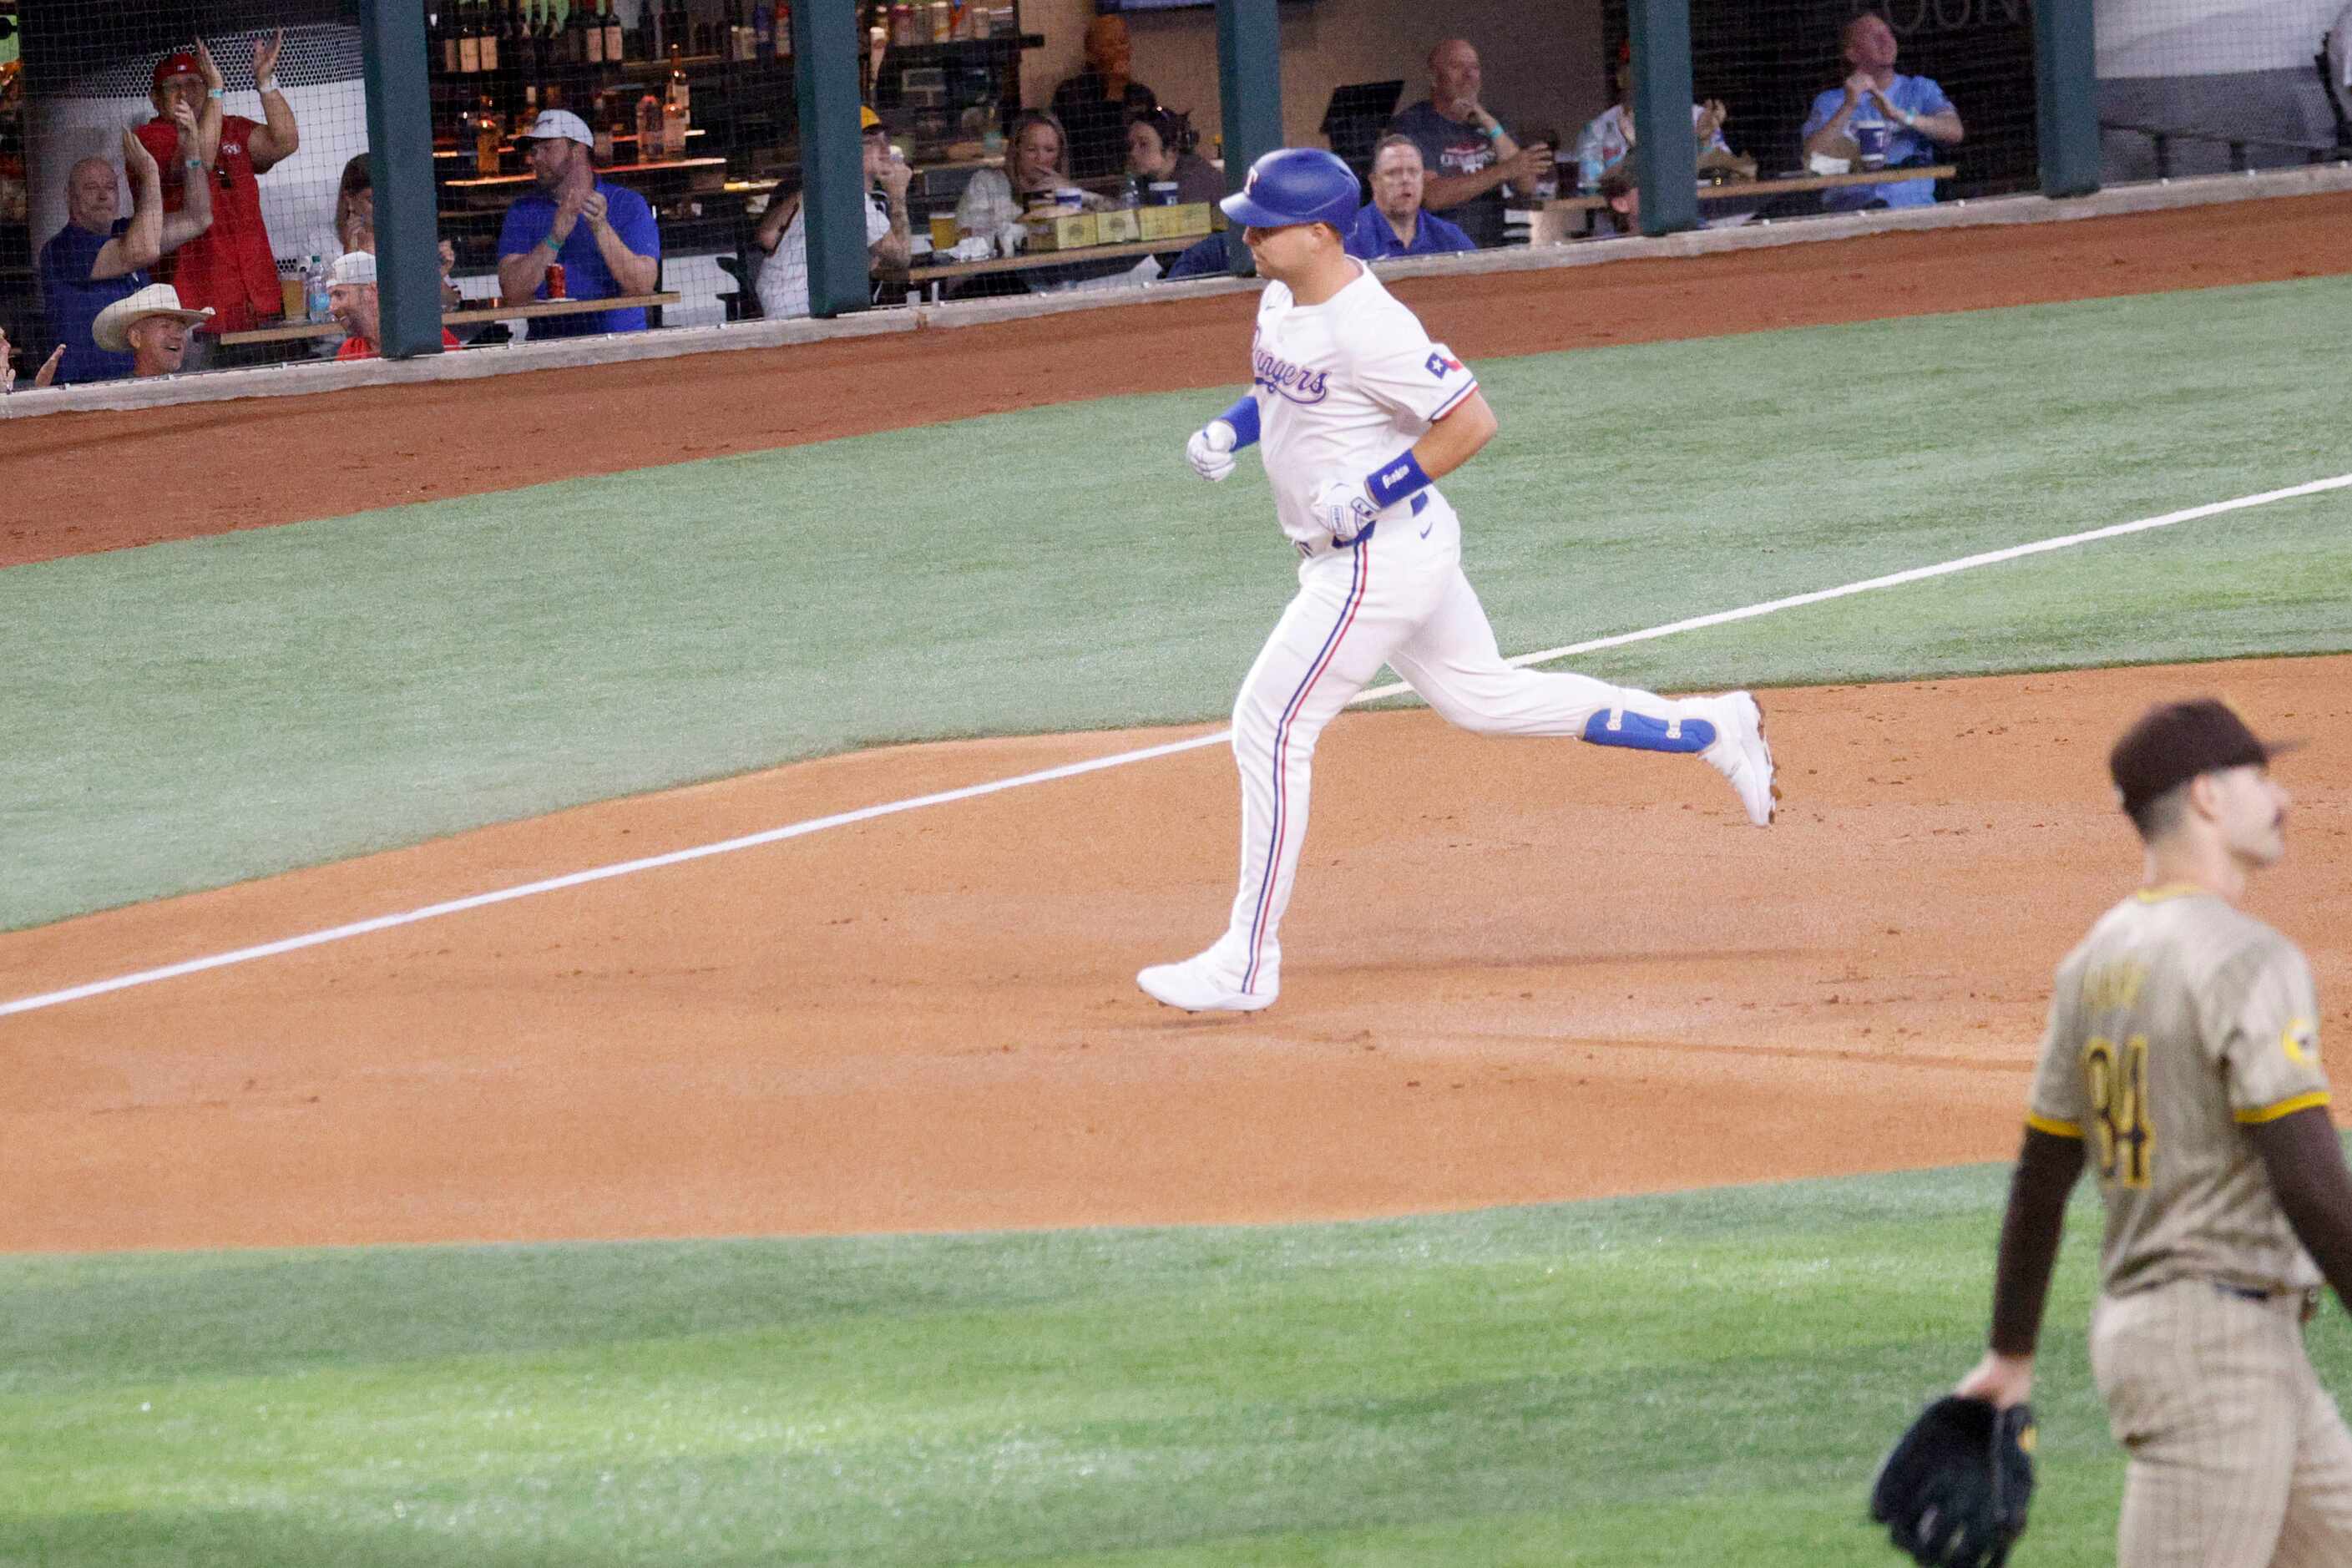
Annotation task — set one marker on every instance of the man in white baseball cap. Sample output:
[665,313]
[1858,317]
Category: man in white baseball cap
[152,326]
[601,234]
[353,300]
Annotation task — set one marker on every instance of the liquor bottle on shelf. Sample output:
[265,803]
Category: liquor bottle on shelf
[488,42]
[600,119]
[612,32]
[649,129]
[488,137]
[783,29]
[763,30]
[531,56]
[577,27]
[530,59]
[592,38]
[677,110]
[469,41]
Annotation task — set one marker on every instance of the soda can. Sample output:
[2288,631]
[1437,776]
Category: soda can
[555,281]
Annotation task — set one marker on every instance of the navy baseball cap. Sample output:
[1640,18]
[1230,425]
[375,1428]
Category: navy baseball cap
[2175,742]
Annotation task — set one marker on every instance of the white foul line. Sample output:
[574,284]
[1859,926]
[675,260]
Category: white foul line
[1916,574]
[1073,770]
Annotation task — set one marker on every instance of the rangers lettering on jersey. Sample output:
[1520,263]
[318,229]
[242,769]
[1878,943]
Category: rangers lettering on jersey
[1284,379]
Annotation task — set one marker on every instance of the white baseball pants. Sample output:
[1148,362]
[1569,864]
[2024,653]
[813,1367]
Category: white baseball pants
[1399,599]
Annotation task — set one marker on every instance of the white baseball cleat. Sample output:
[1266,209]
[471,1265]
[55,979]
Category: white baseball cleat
[1740,754]
[1191,986]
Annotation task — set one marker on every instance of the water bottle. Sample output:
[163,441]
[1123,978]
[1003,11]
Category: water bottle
[1130,192]
[314,288]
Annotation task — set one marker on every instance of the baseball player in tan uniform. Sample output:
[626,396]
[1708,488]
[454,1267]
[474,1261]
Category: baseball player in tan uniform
[2182,1064]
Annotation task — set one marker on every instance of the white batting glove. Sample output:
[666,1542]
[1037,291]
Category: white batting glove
[1210,450]
[1342,506]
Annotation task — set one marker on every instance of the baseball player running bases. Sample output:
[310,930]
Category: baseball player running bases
[2181,1063]
[1357,414]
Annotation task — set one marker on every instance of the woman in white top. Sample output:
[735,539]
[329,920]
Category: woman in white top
[1036,163]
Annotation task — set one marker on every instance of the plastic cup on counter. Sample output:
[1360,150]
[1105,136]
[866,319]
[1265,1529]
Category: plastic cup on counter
[943,231]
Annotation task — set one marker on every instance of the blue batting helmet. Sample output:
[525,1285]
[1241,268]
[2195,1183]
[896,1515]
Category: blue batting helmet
[1295,185]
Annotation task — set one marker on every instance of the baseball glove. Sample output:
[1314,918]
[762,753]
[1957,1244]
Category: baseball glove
[1953,1491]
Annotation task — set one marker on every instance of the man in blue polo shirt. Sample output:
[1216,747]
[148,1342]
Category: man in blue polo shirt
[1393,223]
[98,257]
[1910,111]
[603,234]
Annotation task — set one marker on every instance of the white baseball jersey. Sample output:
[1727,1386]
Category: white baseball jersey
[1342,388]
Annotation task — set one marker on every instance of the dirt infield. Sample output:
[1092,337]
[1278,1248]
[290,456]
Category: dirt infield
[1515,971]
[272,460]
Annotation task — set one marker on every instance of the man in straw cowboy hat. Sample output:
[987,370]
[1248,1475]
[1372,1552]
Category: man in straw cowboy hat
[152,326]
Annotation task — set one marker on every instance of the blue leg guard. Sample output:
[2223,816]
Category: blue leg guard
[1618,728]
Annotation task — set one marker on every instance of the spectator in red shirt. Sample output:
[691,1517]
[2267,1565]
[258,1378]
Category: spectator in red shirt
[230,266]
[353,300]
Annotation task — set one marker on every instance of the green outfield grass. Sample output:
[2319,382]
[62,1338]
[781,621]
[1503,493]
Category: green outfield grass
[192,714]
[1699,1379]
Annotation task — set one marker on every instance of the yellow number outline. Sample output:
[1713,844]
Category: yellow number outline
[2117,1082]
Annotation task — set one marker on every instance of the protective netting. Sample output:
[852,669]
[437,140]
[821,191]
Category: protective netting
[91,71]
[1778,70]
[2192,87]
[689,108]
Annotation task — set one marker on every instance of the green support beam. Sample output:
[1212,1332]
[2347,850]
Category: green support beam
[1665,147]
[1249,81]
[400,164]
[825,44]
[2065,97]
